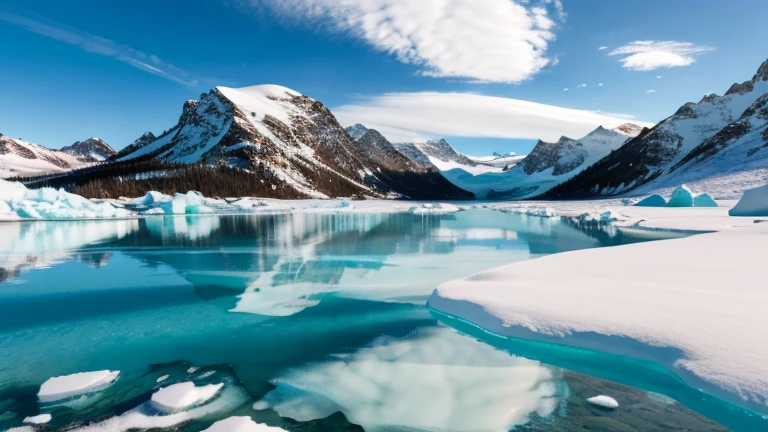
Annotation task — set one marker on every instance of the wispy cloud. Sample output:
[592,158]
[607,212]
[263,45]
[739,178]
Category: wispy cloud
[582,85]
[98,45]
[602,48]
[565,89]
[658,76]
[599,84]
[650,91]
[650,55]
[477,40]
[404,117]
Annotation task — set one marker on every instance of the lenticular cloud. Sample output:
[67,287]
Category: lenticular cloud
[650,55]
[482,40]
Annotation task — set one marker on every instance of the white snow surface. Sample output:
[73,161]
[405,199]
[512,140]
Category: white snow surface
[38,419]
[604,401]
[63,387]
[241,424]
[180,396]
[697,294]
[264,100]
[754,202]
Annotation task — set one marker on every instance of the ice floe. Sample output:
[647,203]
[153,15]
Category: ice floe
[38,419]
[754,202]
[241,424]
[432,380]
[654,200]
[435,208]
[181,396]
[604,401]
[698,295]
[67,386]
[18,202]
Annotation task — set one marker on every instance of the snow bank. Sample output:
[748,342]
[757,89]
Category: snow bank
[63,387]
[699,295]
[18,202]
[754,202]
[241,424]
[436,208]
[435,379]
[654,200]
[180,396]
[604,401]
[38,419]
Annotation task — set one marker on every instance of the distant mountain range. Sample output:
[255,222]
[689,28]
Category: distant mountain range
[295,147]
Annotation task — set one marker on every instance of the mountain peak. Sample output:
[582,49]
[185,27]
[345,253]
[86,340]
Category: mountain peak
[357,131]
[92,150]
[630,129]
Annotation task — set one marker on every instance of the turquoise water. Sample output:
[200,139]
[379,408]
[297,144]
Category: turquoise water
[320,319]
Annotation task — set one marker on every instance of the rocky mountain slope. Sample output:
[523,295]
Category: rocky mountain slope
[90,150]
[548,165]
[290,141]
[19,158]
[719,140]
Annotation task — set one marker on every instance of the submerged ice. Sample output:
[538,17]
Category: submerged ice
[432,380]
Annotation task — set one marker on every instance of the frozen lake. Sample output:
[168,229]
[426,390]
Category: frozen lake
[310,321]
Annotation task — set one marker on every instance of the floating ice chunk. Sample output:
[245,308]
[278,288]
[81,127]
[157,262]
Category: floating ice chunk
[162,378]
[437,208]
[152,197]
[178,397]
[155,211]
[38,419]
[604,401]
[681,197]
[63,387]
[654,200]
[704,200]
[21,429]
[241,424]
[261,405]
[754,202]
[432,380]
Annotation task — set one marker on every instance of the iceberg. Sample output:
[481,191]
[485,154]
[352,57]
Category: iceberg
[704,200]
[681,197]
[18,202]
[437,209]
[754,202]
[654,200]
[38,419]
[178,397]
[241,424]
[64,387]
[604,401]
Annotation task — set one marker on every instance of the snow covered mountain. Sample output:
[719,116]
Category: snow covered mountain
[548,165]
[720,142]
[19,158]
[91,150]
[290,141]
[505,162]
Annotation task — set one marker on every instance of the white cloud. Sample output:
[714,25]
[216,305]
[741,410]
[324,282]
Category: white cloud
[478,40]
[602,48]
[650,91]
[658,76]
[98,45]
[582,85]
[565,89]
[404,117]
[599,84]
[650,55]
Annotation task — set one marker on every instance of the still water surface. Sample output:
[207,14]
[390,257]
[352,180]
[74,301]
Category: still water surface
[317,319]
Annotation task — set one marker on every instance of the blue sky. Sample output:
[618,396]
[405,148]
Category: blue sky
[489,75]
